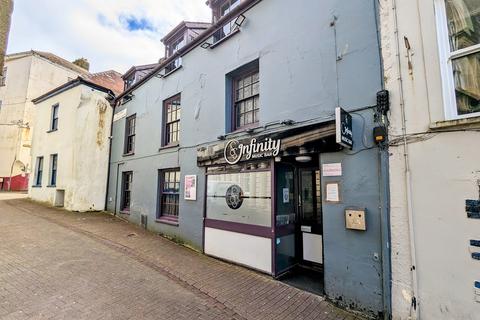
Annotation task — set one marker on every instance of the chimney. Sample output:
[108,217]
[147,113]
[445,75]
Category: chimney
[5,20]
[82,63]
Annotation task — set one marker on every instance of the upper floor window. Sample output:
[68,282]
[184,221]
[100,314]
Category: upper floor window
[39,171]
[172,112]
[246,97]
[3,77]
[128,82]
[175,46]
[54,118]
[222,8]
[459,38]
[130,135]
[230,26]
[53,170]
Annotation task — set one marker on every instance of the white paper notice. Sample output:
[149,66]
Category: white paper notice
[332,169]
[286,195]
[333,192]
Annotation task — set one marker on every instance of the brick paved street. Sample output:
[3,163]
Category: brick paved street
[60,265]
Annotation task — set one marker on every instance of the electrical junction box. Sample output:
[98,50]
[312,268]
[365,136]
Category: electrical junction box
[355,219]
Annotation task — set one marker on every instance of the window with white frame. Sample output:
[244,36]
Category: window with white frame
[459,39]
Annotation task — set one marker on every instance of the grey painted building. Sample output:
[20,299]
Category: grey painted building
[265,80]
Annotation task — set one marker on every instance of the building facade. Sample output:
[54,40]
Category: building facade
[71,142]
[26,76]
[431,54]
[5,22]
[233,151]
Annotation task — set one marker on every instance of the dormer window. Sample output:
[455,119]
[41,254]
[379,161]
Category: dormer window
[137,73]
[175,46]
[129,81]
[228,6]
[178,38]
[221,9]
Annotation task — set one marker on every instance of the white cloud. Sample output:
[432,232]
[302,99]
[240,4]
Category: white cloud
[93,29]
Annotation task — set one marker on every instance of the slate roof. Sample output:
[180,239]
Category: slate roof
[110,79]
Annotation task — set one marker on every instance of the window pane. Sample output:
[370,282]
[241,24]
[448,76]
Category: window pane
[239,94]
[463,23]
[249,118]
[251,198]
[248,80]
[466,72]
[248,91]
[249,105]
[256,88]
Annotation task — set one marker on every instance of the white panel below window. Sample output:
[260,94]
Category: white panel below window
[312,247]
[252,251]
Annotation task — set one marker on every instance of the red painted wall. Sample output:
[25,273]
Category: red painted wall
[19,183]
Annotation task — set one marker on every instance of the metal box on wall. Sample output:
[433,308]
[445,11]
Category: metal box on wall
[355,219]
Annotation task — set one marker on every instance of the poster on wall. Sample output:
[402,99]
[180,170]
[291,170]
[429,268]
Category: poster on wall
[332,169]
[332,192]
[191,187]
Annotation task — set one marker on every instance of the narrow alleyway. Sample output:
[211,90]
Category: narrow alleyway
[60,265]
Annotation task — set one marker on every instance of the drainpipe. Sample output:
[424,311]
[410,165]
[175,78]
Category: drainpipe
[110,138]
[408,180]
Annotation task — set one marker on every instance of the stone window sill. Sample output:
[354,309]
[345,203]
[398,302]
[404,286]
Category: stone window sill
[172,221]
[128,154]
[170,146]
[447,124]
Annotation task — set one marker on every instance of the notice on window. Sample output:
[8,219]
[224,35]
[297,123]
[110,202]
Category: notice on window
[332,193]
[191,187]
[286,195]
[332,170]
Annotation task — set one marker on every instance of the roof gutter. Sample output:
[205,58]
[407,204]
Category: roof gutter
[69,85]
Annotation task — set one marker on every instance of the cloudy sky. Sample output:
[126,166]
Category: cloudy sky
[111,34]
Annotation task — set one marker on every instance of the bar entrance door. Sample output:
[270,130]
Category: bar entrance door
[309,227]
[298,217]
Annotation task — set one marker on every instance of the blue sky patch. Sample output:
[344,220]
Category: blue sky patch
[132,23]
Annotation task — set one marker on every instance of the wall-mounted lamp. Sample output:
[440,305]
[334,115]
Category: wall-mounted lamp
[288,122]
[206,45]
[303,156]
[240,20]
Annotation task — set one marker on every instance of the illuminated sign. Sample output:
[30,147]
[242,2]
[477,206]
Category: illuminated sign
[235,151]
[344,126]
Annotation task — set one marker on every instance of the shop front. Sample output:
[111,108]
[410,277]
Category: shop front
[264,200]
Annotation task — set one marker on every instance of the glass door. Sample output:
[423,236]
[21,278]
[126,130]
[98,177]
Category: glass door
[285,218]
[310,216]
